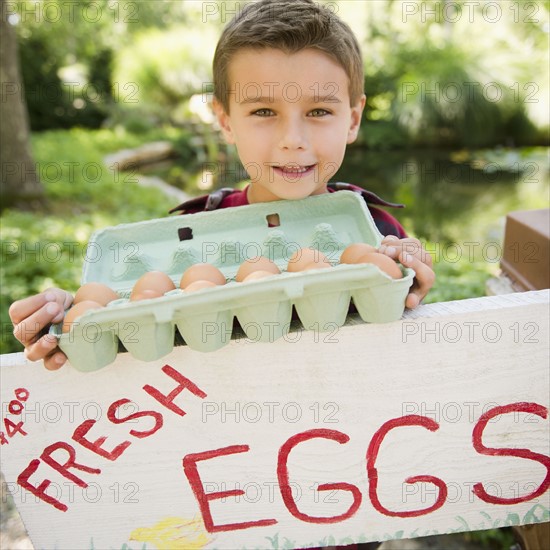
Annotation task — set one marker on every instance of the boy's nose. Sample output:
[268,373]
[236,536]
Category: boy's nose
[293,135]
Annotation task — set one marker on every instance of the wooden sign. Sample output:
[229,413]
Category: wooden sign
[436,423]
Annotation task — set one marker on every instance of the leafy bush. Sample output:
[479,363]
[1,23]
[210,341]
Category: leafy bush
[49,42]
[161,69]
[494,539]
[439,96]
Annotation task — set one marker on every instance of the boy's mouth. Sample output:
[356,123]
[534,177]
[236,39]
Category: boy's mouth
[294,170]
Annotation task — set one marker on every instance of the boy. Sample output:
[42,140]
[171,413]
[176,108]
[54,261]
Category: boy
[288,92]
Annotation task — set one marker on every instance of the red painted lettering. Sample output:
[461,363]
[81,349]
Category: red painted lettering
[22,394]
[96,446]
[477,434]
[63,469]
[372,454]
[111,415]
[40,491]
[12,428]
[168,400]
[284,485]
[192,473]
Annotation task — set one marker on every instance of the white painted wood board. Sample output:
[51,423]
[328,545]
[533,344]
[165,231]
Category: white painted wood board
[443,365]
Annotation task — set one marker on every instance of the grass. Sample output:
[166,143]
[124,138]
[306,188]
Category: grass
[461,279]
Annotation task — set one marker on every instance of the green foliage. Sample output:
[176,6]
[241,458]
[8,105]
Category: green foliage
[39,73]
[382,135]
[493,539]
[440,75]
[166,67]
[436,96]
[52,37]
[459,280]
[47,249]
[66,51]
[76,178]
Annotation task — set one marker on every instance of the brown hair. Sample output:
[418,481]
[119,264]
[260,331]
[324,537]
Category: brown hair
[290,26]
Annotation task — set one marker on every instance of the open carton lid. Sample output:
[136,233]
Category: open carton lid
[118,256]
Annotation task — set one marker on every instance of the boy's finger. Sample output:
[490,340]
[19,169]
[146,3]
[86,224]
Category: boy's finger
[410,246]
[425,277]
[55,361]
[29,329]
[412,301]
[22,309]
[41,348]
[389,250]
[425,257]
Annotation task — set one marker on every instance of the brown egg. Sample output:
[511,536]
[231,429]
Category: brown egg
[385,263]
[353,252]
[307,258]
[96,292]
[199,285]
[153,280]
[255,275]
[202,272]
[144,295]
[259,263]
[317,265]
[76,311]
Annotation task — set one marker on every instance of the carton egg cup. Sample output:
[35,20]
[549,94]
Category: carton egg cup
[225,238]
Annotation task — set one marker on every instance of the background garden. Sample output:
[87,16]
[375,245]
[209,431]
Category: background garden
[456,127]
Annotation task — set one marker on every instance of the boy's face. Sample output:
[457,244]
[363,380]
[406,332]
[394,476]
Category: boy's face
[290,119]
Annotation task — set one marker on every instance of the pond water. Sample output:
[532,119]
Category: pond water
[454,196]
[450,196]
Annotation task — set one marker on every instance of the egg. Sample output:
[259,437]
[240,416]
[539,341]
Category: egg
[307,258]
[199,285]
[255,275]
[259,263]
[153,280]
[76,311]
[96,292]
[146,294]
[385,263]
[202,272]
[354,251]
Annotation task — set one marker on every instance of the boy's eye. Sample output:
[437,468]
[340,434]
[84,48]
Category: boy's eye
[319,112]
[263,112]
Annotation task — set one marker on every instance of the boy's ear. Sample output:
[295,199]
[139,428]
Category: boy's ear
[223,121]
[356,114]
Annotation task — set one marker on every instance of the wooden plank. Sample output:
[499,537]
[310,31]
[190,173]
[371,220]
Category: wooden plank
[365,407]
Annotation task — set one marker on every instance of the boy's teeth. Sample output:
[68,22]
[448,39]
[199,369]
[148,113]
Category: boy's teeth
[297,170]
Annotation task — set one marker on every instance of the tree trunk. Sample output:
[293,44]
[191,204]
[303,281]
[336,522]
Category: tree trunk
[20,183]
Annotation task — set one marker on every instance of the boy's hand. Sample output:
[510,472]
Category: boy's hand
[410,253]
[31,316]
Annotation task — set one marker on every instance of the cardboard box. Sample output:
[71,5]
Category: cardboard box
[526,254]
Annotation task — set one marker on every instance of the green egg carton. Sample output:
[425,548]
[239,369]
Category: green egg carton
[225,238]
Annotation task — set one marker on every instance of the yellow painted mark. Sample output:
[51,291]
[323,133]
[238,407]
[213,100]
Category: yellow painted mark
[174,534]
